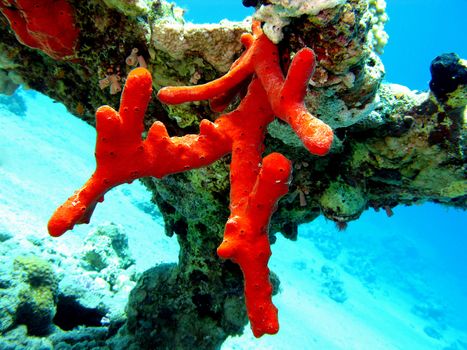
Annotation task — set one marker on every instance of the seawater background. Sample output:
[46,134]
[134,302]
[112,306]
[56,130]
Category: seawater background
[384,283]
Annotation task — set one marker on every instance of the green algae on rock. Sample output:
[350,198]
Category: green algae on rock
[37,294]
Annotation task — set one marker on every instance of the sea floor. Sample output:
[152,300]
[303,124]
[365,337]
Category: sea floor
[395,282]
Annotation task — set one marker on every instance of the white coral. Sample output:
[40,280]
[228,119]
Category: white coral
[297,8]
[277,14]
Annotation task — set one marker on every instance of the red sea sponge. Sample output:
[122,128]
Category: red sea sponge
[256,183]
[47,25]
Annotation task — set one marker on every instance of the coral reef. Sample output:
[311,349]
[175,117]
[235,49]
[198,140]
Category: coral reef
[37,299]
[277,14]
[53,302]
[391,146]
[155,320]
[449,78]
[28,295]
[256,184]
[106,248]
[216,44]
[378,37]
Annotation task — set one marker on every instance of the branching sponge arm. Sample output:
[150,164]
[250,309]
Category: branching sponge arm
[123,156]
[256,183]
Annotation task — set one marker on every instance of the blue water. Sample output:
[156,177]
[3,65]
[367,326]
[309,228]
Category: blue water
[419,31]
[199,11]
[384,283]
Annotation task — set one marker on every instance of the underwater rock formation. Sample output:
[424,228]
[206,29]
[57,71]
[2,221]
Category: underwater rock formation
[392,145]
[167,299]
[106,248]
[28,296]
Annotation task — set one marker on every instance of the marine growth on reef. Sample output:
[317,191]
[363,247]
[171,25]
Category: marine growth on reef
[350,141]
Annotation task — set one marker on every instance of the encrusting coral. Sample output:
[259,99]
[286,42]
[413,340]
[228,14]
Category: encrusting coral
[256,183]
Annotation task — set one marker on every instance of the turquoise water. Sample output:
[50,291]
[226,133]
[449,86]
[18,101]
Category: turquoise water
[384,283]
[419,31]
